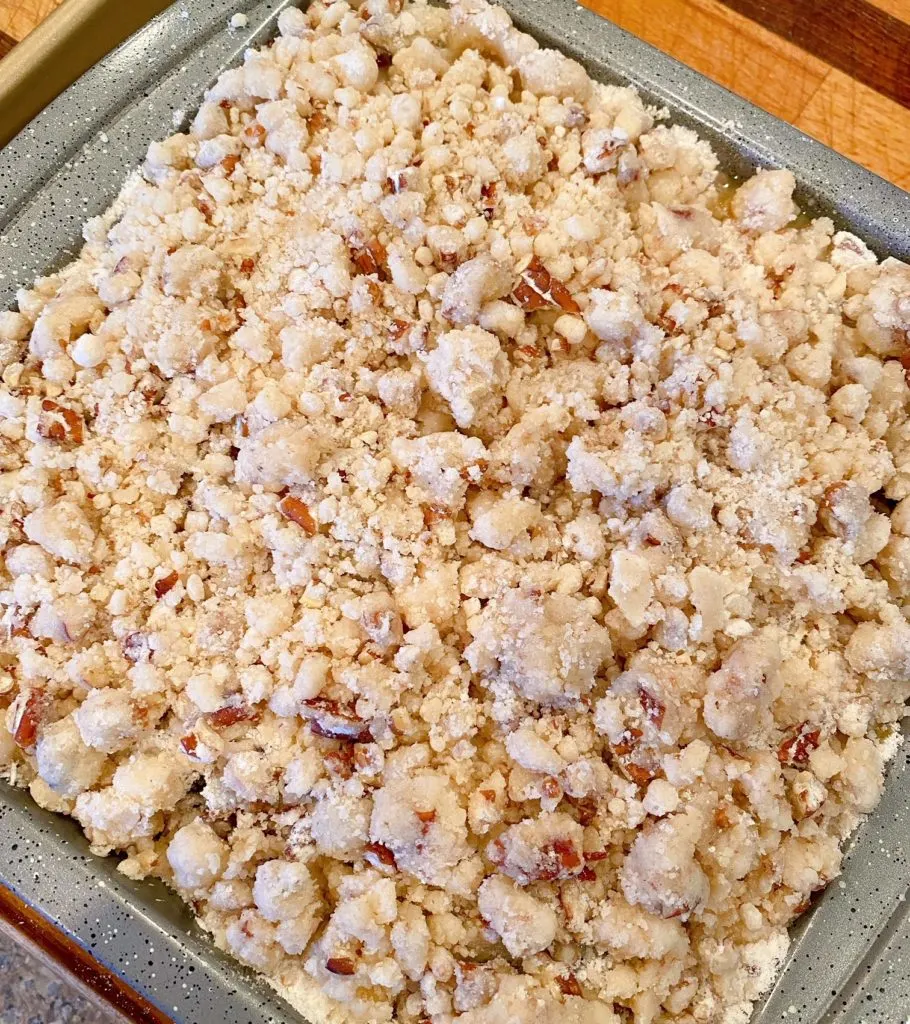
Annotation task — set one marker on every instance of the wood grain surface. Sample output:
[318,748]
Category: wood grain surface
[823,65]
[19,17]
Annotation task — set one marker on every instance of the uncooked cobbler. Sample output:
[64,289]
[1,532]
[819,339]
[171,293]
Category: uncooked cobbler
[455,540]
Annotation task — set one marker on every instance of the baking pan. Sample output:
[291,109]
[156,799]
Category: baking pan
[69,41]
[850,958]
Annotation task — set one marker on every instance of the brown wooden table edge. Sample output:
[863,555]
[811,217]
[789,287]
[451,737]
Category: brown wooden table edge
[52,946]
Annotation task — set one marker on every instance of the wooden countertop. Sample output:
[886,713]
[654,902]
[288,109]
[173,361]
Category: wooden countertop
[837,69]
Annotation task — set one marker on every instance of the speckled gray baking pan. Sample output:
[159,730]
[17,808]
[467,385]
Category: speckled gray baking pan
[850,960]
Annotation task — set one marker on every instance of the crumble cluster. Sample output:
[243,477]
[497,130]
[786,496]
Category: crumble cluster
[455,538]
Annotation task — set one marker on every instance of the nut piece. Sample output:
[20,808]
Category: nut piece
[297,511]
[538,289]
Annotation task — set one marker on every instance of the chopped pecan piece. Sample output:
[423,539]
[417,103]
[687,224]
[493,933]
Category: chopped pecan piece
[232,714]
[795,750]
[398,328]
[254,134]
[342,965]
[165,584]
[29,717]
[905,363]
[627,742]
[585,809]
[370,258]
[433,514]
[297,511]
[568,985]
[136,647]
[379,855]
[327,719]
[538,289]
[653,708]
[60,424]
[488,192]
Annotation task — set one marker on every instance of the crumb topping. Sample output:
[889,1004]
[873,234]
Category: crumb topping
[455,537]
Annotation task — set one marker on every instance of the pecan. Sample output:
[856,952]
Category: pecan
[683,212]
[721,818]
[538,289]
[136,647]
[28,718]
[488,192]
[165,583]
[398,328]
[668,325]
[795,750]
[587,874]
[568,985]
[585,809]
[637,773]
[433,514]
[188,744]
[569,857]
[207,211]
[151,387]
[778,278]
[550,788]
[247,265]
[229,163]
[342,965]
[370,258]
[591,856]
[254,134]
[497,852]
[327,719]
[379,855]
[654,710]
[347,730]
[368,758]
[294,509]
[627,742]
[60,424]
[398,181]
[905,363]
[232,714]
[448,260]
[340,762]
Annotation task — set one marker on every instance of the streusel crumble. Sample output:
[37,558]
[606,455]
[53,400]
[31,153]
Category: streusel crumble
[454,539]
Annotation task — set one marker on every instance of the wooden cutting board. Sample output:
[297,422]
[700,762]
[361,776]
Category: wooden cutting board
[837,69]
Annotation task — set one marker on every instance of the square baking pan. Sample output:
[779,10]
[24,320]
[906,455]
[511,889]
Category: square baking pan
[850,958]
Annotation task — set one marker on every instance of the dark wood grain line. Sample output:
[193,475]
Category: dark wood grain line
[6,44]
[59,947]
[864,42]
